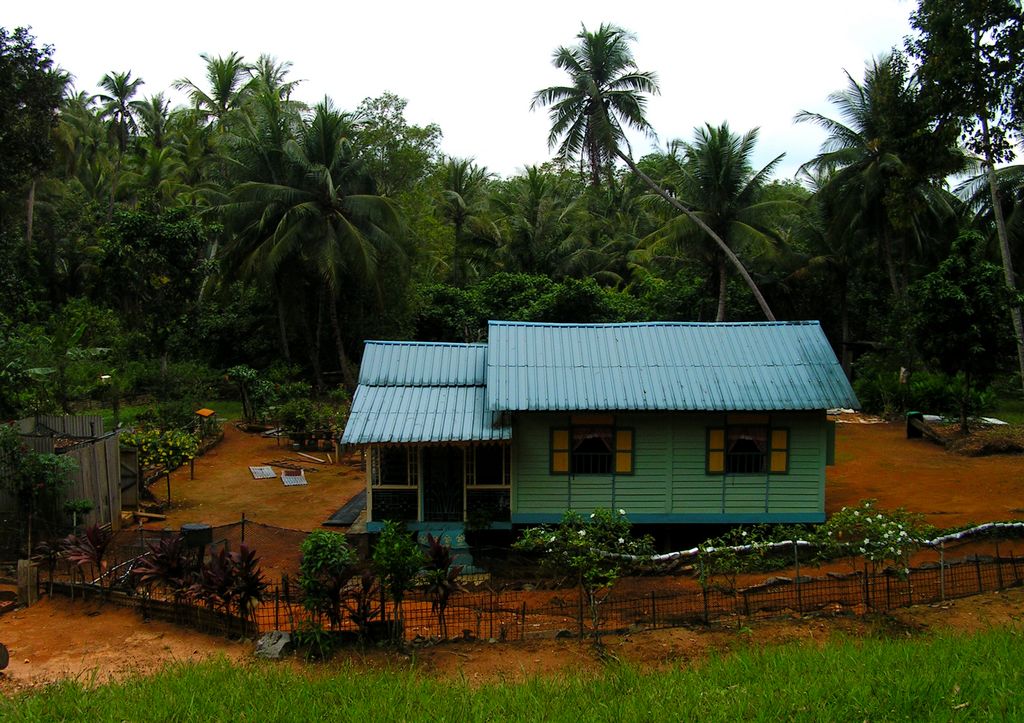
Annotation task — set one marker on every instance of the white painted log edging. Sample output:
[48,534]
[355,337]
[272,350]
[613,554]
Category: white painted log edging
[937,542]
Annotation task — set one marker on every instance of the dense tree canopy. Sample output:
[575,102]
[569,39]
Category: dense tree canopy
[247,226]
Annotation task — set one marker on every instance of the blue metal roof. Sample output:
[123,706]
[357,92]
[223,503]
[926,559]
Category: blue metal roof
[663,366]
[417,392]
[416,364]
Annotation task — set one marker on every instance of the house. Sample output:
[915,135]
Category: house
[672,422]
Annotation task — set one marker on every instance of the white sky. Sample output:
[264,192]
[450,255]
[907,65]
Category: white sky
[472,67]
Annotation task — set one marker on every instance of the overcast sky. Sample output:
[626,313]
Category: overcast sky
[472,67]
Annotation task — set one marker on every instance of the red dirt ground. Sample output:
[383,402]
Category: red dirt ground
[224,488]
[62,639]
[878,461]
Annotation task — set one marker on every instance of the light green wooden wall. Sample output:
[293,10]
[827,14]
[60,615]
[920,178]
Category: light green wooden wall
[669,478]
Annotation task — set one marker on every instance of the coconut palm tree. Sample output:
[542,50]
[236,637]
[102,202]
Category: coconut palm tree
[228,77]
[465,195]
[589,116]
[886,166]
[118,107]
[714,176]
[324,217]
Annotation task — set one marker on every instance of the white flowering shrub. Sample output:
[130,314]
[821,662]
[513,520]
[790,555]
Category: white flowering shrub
[881,537]
[741,549]
[590,549]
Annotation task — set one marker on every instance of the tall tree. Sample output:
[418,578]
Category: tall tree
[228,77]
[30,92]
[324,217]
[715,177]
[885,166]
[119,108]
[971,55]
[607,92]
[464,202]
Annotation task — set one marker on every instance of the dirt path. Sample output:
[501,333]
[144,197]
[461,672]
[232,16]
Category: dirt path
[224,488]
[878,461]
[60,639]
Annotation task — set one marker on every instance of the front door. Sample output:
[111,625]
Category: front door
[443,469]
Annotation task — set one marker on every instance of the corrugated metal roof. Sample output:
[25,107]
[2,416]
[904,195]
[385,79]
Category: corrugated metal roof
[408,414]
[663,366]
[418,364]
[419,392]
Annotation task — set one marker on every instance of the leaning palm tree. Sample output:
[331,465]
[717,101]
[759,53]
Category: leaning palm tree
[588,118]
[323,217]
[715,178]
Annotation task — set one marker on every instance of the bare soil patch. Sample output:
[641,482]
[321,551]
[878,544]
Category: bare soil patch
[877,461]
[224,488]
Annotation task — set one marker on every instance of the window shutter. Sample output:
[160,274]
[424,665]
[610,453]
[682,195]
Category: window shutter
[560,451]
[624,451]
[779,462]
[716,451]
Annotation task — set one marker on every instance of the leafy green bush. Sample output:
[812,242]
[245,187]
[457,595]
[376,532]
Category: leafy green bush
[879,536]
[325,567]
[396,560]
[162,448]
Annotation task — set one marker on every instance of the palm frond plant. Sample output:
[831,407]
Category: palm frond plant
[442,579]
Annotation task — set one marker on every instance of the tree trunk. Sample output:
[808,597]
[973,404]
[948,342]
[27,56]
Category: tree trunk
[724,247]
[723,287]
[1004,247]
[30,214]
[346,368]
[282,328]
[890,264]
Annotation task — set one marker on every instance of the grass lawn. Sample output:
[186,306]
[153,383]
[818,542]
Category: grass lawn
[1009,410]
[227,410]
[942,678]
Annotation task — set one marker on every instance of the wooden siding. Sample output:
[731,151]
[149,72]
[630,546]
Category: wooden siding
[97,476]
[670,479]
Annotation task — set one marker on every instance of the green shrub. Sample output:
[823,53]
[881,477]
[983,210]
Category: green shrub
[325,567]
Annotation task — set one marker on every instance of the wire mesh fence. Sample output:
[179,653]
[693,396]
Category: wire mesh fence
[520,614]
[669,599]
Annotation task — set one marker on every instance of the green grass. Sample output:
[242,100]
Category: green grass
[1009,410]
[228,410]
[943,678]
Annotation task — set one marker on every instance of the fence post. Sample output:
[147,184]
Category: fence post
[490,618]
[1013,562]
[867,590]
[942,571]
[999,568]
[277,609]
[888,593]
[243,528]
[654,611]
[167,475]
[579,612]
[522,635]
[799,591]
[977,570]
[704,593]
